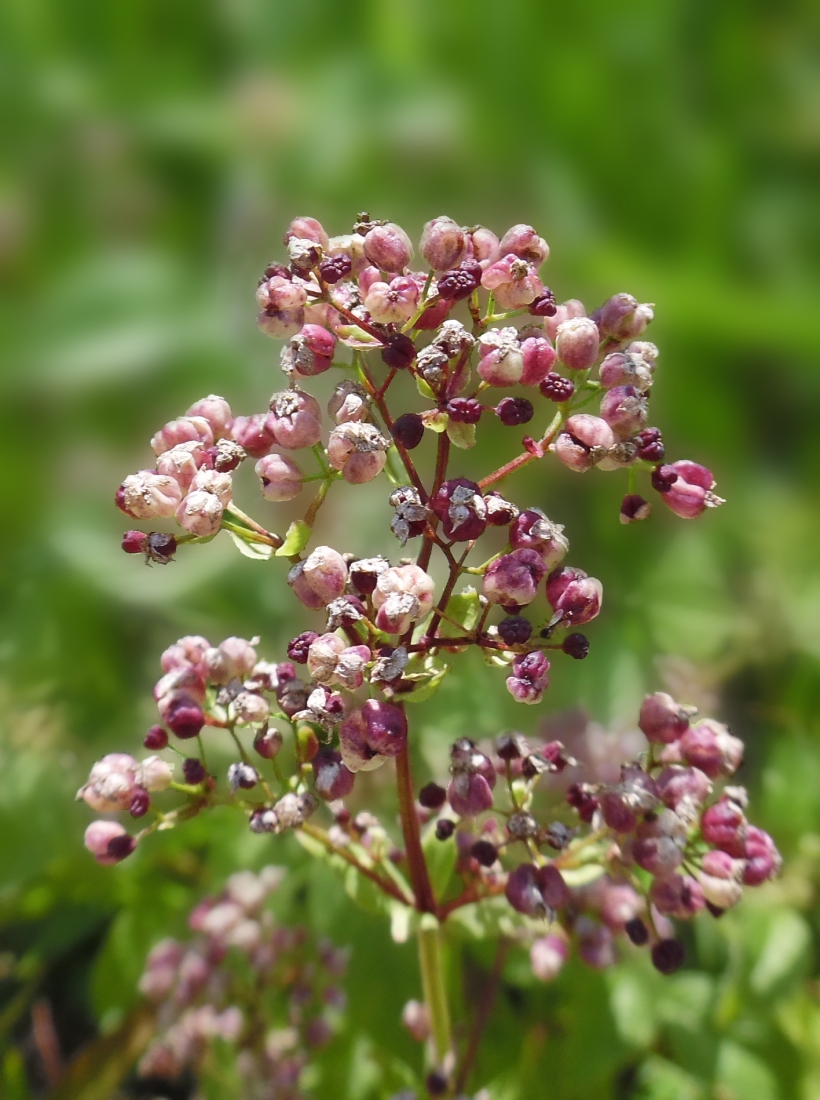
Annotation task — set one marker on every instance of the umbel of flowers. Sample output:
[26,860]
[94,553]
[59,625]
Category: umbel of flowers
[482,337]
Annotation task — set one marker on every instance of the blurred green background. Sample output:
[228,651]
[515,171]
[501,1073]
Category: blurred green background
[152,155]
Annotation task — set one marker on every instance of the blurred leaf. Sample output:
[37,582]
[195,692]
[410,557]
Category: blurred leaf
[99,1068]
[259,551]
[784,954]
[743,1074]
[440,856]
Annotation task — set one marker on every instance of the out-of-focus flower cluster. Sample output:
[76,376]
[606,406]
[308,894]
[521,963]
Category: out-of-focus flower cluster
[268,991]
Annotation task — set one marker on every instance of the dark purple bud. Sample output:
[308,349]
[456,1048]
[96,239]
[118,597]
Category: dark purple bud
[331,778]
[514,578]
[535,890]
[617,813]
[461,508]
[583,800]
[662,720]
[184,719]
[134,542]
[511,746]
[668,956]
[435,1083]
[650,445]
[544,305]
[299,646]
[710,747]
[576,645]
[577,596]
[242,776]
[557,388]
[140,802]
[514,410]
[334,268]
[469,794]
[515,630]
[637,932]
[155,739]
[120,847]
[365,572]
[408,430]
[460,282]
[445,828]
[464,410]
[663,478]
[194,771]
[267,743]
[500,513]
[372,733]
[432,796]
[399,352]
[485,853]
[634,508]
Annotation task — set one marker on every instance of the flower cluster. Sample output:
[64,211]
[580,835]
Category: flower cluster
[266,989]
[474,319]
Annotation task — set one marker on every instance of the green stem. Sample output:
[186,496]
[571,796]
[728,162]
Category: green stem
[432,980]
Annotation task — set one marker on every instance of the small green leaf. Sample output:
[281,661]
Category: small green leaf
[461,435]
[355,337]
[296,539]
[582,876]
[435,420]
[424,389]
[429,683]
[259,551]
[464,609]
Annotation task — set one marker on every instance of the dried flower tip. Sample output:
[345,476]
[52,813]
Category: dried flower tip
[634,508]
[500,512]
[461,508]
[295,420]
[348,402]
[512,411]
[459,282]
[242,776]
[358,450]
[557,388]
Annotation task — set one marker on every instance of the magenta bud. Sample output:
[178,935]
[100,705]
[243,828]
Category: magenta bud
[501,361]
[557,388]
[371,734]
[186,429]
[359,450]
[280,476]
[534,891]
[388,247]
[689,493]
[710,747]
[724,826]
[134,542]
[298,647]
[268,743]
[392,303]
[617,813]
[650,445]
[677,896]
[310,351]
[469,794]
[575,595]
[295,419]
[620,904]
[155,739]
[200,513]
[583,800]
[455,285]
[538,355]
[108,842]
[140,802]
[443,243]
[331,779]
[484,246]
[763,860]
[306,229]
[513,281]
[564,312]
[659,855]
[677,784]
[532,530]
[279,295]
[625,410]
[464,410]
[252,434]
[461,508]
[403,594]
[529,679]
[184,719]
[148,495]
[320,578]
[662,720]
[523,241]
[585,441]
[514,578]
[622,318]
[512,411]
[576,342]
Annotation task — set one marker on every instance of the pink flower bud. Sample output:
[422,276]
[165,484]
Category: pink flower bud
[677,785]
[625,410]
[513,281]
[200,513]
[212,481]
[182,463]
[280,324]
[622,318]
[319,579]
[111,783]
[371,734]
[348,402]
[538,355]
[677,896]
[280,476]
[577,596]
[239,658]
[388,247]
[187,429]
[724,825]
[310,351]
[529,678]
[547,957]
[532,530]
[461,508]
[585,441]
[659,855]
[484,246]
[513,579]
[359,450]
[564,312]
[323,656]
[622,369]
[710,747]
[306,229]
[762,857]
[534,891]
[415,1017]
[252,434]
[595,946]
[367,278]
[154,774]
[619,904]
[576,342]
[394,302]
[148,495]
[280,293]
[187,651]
[332,779]
[216,411]
[295,420]
[403,595]
[443,244]
[689,492]
[523,241]
[501,360]
[662,720]
[108,842]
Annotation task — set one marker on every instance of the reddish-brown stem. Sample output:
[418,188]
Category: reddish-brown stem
[419,877]
[383,883]
[442,458]
[525,458]
[482,1016]
[446,594]
[468,896]
[381,405]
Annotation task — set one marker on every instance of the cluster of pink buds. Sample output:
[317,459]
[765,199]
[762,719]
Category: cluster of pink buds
[239,973]
[474,318]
